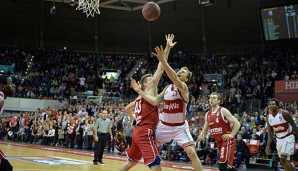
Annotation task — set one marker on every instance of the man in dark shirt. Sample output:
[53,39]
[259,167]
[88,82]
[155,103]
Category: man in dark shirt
[263,140]
[242,152]
[262,121]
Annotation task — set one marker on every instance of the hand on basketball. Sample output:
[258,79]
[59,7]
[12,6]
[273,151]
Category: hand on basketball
[159,53]
[136,86]
[170,38]
[227,136]
[267,150]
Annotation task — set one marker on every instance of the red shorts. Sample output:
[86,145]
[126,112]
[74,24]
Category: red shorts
[226,152]
[143,145]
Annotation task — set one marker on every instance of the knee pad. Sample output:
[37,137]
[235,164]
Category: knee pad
[223,166]
[155,163]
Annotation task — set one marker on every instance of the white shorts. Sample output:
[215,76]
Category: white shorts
[285,146]
[180,134]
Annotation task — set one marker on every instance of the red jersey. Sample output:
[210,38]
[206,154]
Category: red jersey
[218,125]
[146,114]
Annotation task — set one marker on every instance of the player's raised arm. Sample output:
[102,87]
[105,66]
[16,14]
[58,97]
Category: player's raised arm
[158,73]
[153,100]
[172,74]
[236,125]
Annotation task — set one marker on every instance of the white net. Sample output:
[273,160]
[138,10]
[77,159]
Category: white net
[90,7]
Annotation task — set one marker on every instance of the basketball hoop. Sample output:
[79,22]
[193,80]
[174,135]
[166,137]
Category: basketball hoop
[90,7]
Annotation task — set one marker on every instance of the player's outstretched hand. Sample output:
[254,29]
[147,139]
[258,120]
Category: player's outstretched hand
[227,136]
[159,53]
[170,38]
[136,86]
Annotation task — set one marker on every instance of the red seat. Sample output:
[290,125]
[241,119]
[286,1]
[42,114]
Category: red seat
[253,146]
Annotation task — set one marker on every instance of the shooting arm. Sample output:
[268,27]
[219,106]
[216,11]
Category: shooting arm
[158,73]
[160,69]
[174,78]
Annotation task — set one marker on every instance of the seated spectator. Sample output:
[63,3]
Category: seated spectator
[45,138]
[247,132]
[263,141]
[242,152]
[21,134]
[202,148]
[262,121]
[27,133]
[254,135]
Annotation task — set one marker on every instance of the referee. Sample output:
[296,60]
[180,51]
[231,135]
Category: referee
[102,129]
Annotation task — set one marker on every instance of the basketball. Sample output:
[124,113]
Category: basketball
[151,11]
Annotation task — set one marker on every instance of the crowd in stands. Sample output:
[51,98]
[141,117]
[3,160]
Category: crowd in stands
[58,74]
[61,73]
[246,75]
[63,127]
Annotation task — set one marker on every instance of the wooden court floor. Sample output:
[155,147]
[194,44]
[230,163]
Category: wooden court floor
[28,157]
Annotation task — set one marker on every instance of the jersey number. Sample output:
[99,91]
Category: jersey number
[217,121]
[138,106]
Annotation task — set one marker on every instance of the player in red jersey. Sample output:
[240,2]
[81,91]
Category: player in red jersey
[172,123]
[6,90]
[218,120]
[143,136]
[281,123]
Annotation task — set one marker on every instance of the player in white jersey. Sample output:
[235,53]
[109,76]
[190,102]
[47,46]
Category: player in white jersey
[6,90]
[281,123]
[172,123]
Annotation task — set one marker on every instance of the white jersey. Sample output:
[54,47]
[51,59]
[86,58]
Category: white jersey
[2,98]
[174,108]
[281,127]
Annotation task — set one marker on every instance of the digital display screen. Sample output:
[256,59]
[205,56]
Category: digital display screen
[280,22]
